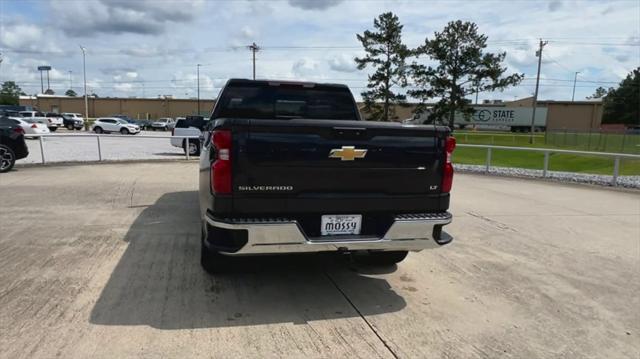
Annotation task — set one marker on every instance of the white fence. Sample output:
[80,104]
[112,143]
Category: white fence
[547,151]
[99,146]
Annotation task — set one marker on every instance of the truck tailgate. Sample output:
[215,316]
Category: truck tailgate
[306,158]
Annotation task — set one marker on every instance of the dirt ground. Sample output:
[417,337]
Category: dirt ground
[101,261]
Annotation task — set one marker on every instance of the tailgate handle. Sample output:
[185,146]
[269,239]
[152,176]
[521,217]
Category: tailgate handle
[349,130]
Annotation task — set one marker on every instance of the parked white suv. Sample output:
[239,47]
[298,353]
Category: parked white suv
[162,124]
[114,124]
[191,126]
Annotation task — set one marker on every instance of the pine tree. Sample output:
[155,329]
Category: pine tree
[386,54]
[463,69]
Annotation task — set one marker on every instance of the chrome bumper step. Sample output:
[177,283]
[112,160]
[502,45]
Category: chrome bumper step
[412,232]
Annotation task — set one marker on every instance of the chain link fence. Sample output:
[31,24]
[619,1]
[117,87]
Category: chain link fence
[594,141]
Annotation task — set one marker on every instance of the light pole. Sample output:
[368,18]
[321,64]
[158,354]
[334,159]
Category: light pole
[70,81]
[84,74]
[198,80]
[575,79]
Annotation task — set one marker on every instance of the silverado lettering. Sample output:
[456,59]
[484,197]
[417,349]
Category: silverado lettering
[265,188]
[375,189]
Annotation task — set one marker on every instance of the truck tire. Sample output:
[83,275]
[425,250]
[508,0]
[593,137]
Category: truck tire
[53,129]
[98,130]
[381,258]
[211,261]
[124,131]
[193,147]
[7,158]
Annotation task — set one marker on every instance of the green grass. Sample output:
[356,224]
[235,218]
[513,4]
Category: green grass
[535,160]
[597,142]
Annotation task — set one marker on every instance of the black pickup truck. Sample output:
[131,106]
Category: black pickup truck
[289,167]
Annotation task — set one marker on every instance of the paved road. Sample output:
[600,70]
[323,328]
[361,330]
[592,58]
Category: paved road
[101,261]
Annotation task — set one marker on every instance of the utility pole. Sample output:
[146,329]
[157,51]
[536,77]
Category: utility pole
[535,94]
[84,75]
[41,82]
[254,48]
[198,77]
[70,81]
[575,79]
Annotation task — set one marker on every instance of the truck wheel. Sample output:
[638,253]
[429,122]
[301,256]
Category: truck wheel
[124,131]
[211,261]
[53,129]
[7,158]
[98,130]
[193,148]
[382,258]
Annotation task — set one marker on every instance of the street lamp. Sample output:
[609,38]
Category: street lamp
[84,73]
[70,80]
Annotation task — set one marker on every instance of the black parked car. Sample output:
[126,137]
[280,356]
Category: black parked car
[71,122]
[144,124]
[12,145]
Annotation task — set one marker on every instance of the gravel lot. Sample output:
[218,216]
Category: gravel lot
[82,149]
[602,180]
[108,268]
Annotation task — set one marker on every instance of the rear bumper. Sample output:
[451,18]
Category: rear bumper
[279,236]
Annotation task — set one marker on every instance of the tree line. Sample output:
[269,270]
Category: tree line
[622,104]
[459,66]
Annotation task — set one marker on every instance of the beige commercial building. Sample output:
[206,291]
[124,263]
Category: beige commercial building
[578,115]
[567,115]
[138,108]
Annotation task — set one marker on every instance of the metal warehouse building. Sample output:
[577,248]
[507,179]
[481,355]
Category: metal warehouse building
[578,115]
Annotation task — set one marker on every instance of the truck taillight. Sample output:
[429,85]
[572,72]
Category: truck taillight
[447,178]
[221,166]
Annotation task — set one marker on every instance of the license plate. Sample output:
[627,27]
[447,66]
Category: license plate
[340,224]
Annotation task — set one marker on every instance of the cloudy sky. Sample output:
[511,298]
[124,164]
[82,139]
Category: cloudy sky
[151,47]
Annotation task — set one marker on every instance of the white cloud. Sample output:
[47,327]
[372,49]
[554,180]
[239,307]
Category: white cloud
[343,63]
[314,4]
[16,36]
[304,67]
[90,17]
[123,87]
[161,41]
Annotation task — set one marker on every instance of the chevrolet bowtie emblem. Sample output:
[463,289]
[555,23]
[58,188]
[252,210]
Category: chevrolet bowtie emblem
[347,153]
